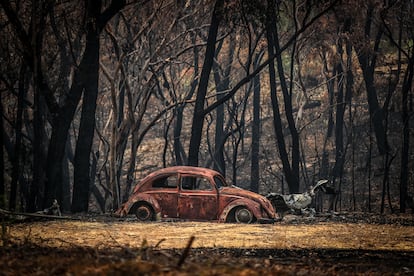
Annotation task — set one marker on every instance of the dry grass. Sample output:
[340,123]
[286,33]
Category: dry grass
[168,235]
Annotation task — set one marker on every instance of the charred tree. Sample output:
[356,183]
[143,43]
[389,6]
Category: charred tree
[290,170]
[330,83]
[222,81]
[255,164]
[16,166]
[2,186]
[367,59]
[199,112]
[405,116]
[80,197]
[82,165]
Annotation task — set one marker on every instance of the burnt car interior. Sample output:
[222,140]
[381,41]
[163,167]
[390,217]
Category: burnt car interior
[195,183]
[168,181]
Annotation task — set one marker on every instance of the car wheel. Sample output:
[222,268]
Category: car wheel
[144,212]
[243,215]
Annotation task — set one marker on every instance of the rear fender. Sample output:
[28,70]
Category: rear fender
[251,205]
[127,207]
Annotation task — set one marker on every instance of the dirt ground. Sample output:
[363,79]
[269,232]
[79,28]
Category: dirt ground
[340,244]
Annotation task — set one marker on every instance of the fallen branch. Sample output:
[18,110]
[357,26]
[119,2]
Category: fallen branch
[185,252]
[7,213]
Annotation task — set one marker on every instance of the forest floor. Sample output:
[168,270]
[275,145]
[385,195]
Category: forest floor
[344,244]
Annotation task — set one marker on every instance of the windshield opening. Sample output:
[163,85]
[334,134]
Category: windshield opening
[220,182]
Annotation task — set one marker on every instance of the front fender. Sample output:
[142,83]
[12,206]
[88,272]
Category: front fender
[251,205]
[125,208]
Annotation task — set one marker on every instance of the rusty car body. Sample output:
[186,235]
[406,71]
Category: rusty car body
[194,193]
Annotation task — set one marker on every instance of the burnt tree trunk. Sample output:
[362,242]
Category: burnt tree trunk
[330,82]
[2,187]
[255,164]
[18,139]
[367,62]
[198,116]
[339,119]
[222,82]
[290,170]
[96,22]
[407,87]
[81,184]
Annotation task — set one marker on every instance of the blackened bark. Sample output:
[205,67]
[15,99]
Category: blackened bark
[81,183]
[82,165]
[180,156]
[2,188]
[39,156]
[63,192]
[407,86]
[198,116]
[367,61]
[58,139]
[255,165]
[291,170]
[340,110]
[18,138]
[178,126]
[218,157]
[80,197]
[277,121]
[330,82]
[222,82]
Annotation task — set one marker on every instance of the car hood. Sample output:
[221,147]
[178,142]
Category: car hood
[236,191]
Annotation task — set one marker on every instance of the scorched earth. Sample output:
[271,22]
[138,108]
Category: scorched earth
[343,244]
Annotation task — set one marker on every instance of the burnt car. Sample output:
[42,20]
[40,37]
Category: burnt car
[194,193]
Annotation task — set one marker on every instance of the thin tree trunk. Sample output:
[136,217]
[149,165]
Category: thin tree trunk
[198,116]
[367,63]
[18,139]
[369,165]
[324,172]
[405,151]
[291,171]
[255,164]
[2,186]
[277,121]
[222,81]
[340,109]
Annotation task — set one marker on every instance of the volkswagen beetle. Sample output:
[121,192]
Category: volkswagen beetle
[194,193]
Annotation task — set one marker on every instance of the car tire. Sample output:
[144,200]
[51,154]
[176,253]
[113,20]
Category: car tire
[243,215]
[144,212]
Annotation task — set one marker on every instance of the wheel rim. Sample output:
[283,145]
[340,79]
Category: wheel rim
[144,213]
[243,215]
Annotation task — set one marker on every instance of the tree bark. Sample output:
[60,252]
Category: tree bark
[255,164]
[405,151]
[277,121]
[330,82]
[18,138]
[96,23]
[2,186]
[222,82]
[340,111]
[80,197]
[290,170]
[367,62]
[198,116]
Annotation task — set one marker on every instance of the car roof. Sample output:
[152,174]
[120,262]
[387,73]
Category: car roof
[187,169]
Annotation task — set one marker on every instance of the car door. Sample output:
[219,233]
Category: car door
[165,191]
[198,198]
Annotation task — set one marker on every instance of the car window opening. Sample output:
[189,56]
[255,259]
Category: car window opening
[168,182]
[195,183]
